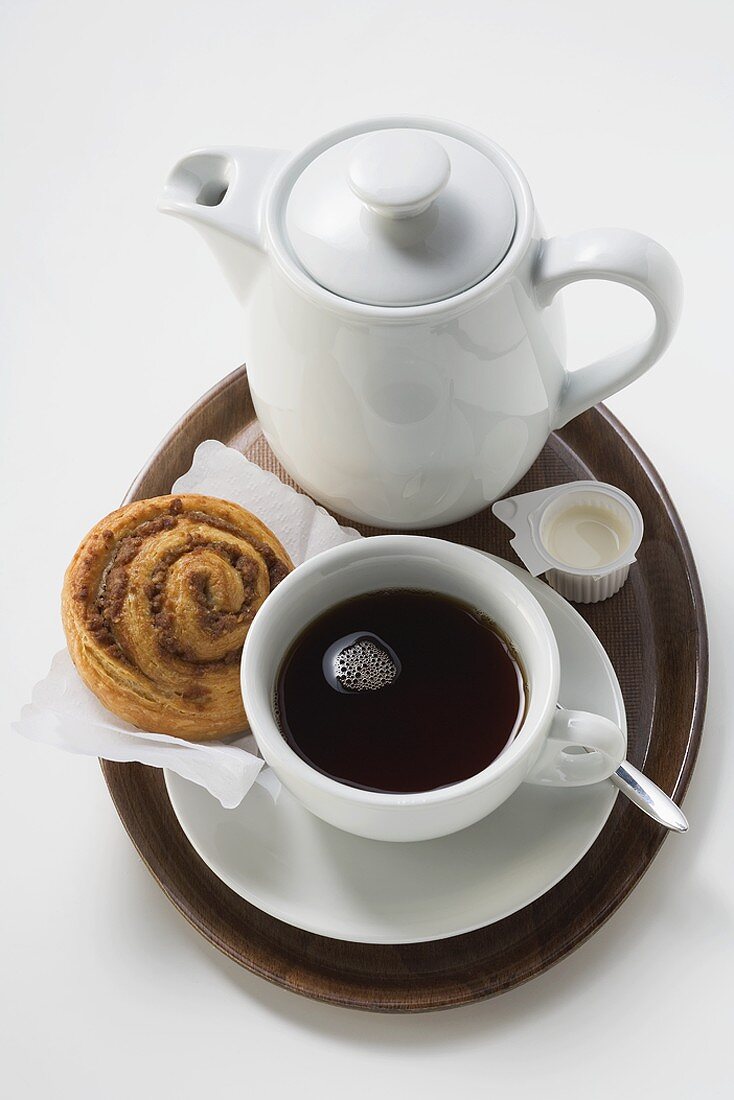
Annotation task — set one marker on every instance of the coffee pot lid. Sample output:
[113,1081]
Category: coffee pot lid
[400,217]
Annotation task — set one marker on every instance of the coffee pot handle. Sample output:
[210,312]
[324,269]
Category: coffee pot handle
[581,748]
[620,256]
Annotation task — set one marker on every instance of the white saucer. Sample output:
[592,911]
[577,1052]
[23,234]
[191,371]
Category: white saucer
[277,856]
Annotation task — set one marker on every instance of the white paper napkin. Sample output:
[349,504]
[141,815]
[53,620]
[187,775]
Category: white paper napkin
[63,711]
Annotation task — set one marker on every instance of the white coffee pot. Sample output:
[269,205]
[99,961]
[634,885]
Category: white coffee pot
[404,344]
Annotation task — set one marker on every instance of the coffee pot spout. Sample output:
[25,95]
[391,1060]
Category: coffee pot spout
[222,191]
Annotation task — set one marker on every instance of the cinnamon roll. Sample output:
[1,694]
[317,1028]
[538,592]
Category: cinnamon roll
[156,604]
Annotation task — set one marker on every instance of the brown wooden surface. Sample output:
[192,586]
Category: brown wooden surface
[655,633]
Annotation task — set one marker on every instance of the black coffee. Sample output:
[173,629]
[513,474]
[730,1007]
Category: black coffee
[400,691]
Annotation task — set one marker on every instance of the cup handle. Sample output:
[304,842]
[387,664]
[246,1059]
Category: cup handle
[573,730]
[619,256]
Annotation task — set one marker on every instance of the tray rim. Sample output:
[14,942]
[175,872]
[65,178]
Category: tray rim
[695,732]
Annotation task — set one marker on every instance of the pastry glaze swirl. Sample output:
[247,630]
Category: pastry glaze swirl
[156,604]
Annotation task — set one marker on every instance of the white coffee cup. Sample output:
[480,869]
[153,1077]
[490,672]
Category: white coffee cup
[546,749]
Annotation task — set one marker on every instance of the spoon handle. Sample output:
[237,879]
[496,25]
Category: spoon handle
[650,799]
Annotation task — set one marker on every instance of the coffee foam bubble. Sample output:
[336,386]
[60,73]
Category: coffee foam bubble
[360,662]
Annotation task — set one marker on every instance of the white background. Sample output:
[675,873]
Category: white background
[114,320]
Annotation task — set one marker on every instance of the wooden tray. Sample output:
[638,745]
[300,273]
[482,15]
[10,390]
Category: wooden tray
[655,633]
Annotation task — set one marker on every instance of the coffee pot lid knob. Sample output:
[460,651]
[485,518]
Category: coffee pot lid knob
[398,173]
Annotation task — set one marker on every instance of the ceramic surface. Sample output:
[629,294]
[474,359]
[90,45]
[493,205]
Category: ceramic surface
[539,752]
[421,414]
[278,856]
[400,218]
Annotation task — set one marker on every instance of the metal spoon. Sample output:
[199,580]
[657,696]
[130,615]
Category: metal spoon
[648,796]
